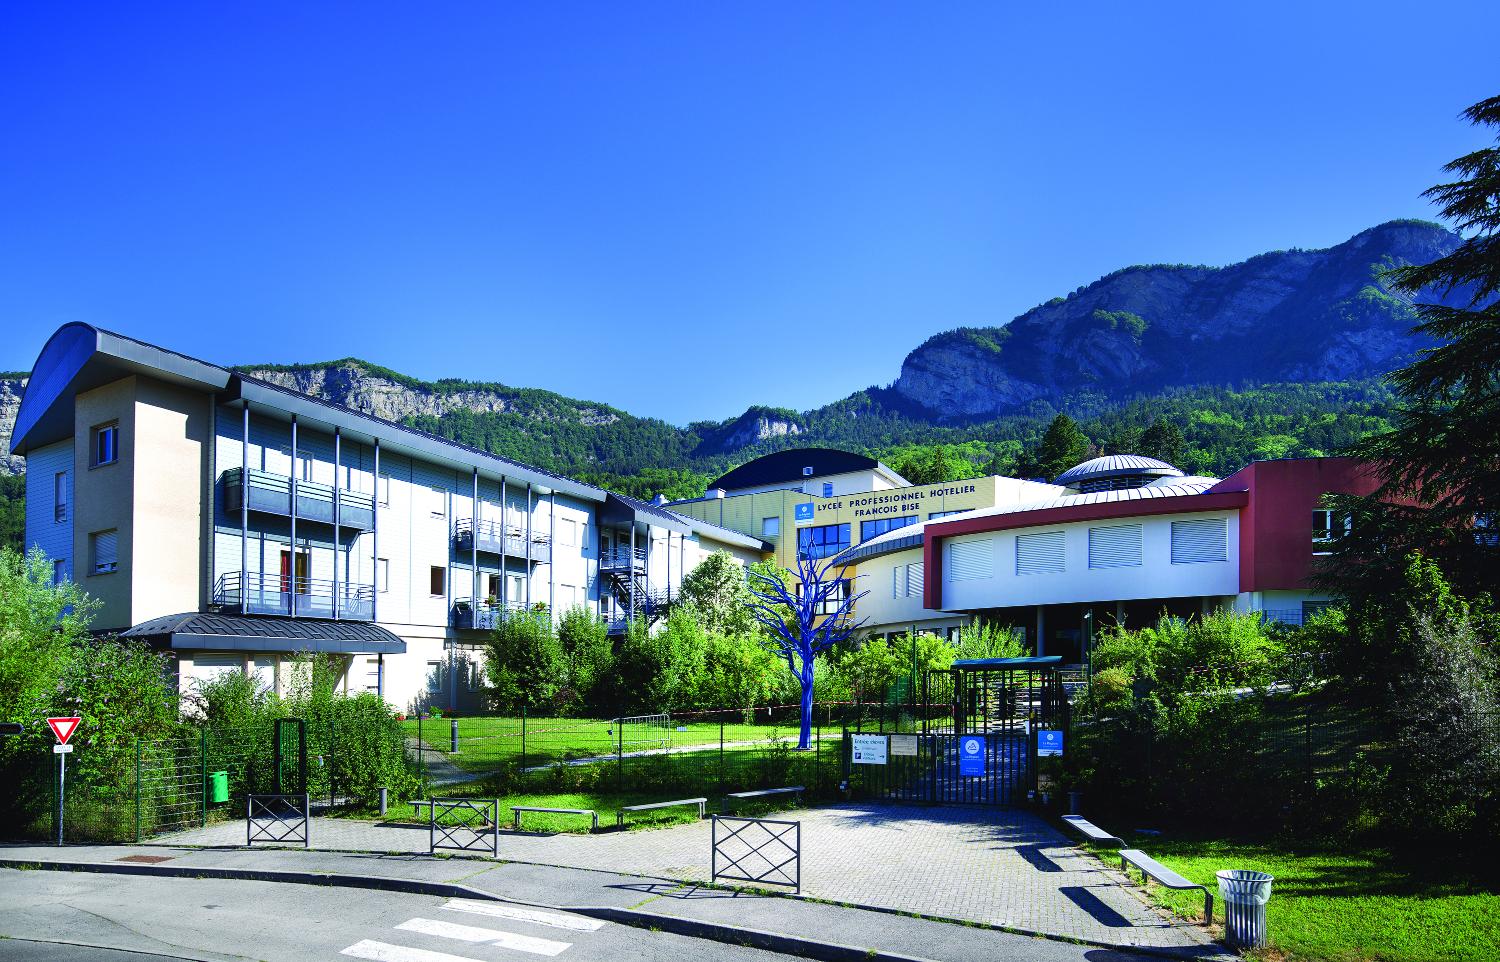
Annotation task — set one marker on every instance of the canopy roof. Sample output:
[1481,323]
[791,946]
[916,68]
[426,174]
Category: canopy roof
[216,632]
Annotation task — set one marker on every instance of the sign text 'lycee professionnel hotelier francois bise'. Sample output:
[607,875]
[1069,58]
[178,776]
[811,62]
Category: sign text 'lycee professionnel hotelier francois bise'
[880,504]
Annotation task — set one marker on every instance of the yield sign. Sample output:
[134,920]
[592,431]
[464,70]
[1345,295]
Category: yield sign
[63,728]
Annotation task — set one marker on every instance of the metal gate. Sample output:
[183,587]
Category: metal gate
[996,706]
[289,755]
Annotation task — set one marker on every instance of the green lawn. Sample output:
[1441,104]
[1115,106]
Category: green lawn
[485,744]
[1354,906]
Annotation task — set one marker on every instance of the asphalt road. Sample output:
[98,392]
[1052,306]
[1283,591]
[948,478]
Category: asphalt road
[86,917]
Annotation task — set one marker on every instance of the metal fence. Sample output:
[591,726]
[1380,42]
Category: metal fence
[762,851]
[278,819]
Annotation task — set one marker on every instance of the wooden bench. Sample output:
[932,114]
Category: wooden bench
[516,811]
[1091,831]
[1151,867]
[620,815]
[766,792]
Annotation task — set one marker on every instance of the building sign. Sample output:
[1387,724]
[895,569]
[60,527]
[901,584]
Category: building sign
[868,749]
[804,512]
[879,504]
[971,755]
[1048,743]
[904,746]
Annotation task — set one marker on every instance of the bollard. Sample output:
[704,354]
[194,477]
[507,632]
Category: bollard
[1245,895]
[385,797]
[453,736]
[1075,803]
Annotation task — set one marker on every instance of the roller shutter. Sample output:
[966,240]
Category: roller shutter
[1040,553]
[1115,546]
[971,560]
[1194,542]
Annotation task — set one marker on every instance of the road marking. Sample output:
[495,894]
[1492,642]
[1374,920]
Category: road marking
[472,933]
[521,913]
[385,952]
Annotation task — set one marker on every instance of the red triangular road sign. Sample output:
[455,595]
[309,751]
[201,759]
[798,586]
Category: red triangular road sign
[63,728]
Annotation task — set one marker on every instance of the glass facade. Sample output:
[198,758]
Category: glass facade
[824,541]
[870,529]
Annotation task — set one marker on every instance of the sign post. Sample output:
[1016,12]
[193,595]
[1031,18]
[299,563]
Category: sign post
[63,729]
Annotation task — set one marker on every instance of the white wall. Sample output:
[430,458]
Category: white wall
[1155,577]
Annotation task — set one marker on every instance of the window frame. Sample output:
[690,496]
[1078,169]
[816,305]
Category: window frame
[97,433]
[437,581]
[770,527]
[880,526]
[59,497]
[94,564]
[817,535]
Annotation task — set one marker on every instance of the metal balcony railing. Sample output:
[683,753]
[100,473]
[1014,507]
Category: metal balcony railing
[272,494]
[493,538]
[260,593]
[622,559]
[486,616]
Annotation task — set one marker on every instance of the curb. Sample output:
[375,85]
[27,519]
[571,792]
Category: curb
[677,925]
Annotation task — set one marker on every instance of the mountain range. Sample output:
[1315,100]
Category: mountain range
[1280,354]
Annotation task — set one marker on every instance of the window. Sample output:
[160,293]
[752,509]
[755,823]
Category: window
[438,578]
[517,595]
[567,597]
[770,527]
[434,677]
[493,586]
[438,500]
[1311,609]
[104,548]
[835,599]
[971,560]
[1041,553]
[823,541]
[1115,546]
[472,678]
[870,529]
[1486,532]
[1328,526]
[827,489]
[59,571]
[1195,542]
[106,444]
[383,490]
[567,532]
[382,574]
[60,496]
[807,472]
[943,514]
[908,581]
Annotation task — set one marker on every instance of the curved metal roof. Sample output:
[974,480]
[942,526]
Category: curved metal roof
[1115,466]
[789,465]
[209,630]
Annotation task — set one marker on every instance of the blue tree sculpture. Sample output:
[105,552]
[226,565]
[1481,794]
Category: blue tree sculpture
[804,618]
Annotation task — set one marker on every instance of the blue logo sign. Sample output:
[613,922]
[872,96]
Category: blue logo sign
[1048,743]
[971,755]
[804,512]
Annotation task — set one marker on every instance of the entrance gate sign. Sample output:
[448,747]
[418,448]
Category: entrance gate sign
[971,756]
[869,749]
[1048,743]
[904,746]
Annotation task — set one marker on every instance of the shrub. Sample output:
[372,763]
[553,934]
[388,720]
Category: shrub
[525,661]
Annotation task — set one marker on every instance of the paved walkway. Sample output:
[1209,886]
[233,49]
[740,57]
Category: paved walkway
[995,866]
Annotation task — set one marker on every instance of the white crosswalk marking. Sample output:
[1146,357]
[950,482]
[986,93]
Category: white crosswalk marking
[472,933]
[522,913]
[385,952]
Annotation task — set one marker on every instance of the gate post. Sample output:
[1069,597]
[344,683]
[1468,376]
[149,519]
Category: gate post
[203,772]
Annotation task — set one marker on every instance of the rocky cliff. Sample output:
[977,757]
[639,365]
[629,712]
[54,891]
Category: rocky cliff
[1298,315]
[11,388]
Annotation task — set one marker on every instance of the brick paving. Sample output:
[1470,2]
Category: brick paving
[991,865]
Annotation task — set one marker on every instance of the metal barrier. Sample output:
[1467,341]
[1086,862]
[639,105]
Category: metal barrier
[476,829]
[278,819]
[757,850]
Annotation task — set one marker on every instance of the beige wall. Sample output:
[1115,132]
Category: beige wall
[167,562]
[102,498]
[153,496]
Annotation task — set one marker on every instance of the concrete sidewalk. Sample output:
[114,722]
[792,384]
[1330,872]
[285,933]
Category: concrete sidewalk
[803,927]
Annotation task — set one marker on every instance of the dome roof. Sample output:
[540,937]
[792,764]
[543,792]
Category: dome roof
[1117,466]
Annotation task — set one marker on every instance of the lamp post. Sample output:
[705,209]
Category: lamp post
[1088,643]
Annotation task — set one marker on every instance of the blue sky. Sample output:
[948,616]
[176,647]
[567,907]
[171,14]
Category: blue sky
[682,209]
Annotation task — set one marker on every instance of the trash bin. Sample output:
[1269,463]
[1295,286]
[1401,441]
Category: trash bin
[218,787]
[1245,895]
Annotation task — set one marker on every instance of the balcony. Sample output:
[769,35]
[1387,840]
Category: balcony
[272,494]
[509,540]
[260,593]
[487,616]
[622,559]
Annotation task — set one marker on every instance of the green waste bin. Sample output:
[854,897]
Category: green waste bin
[218,787]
